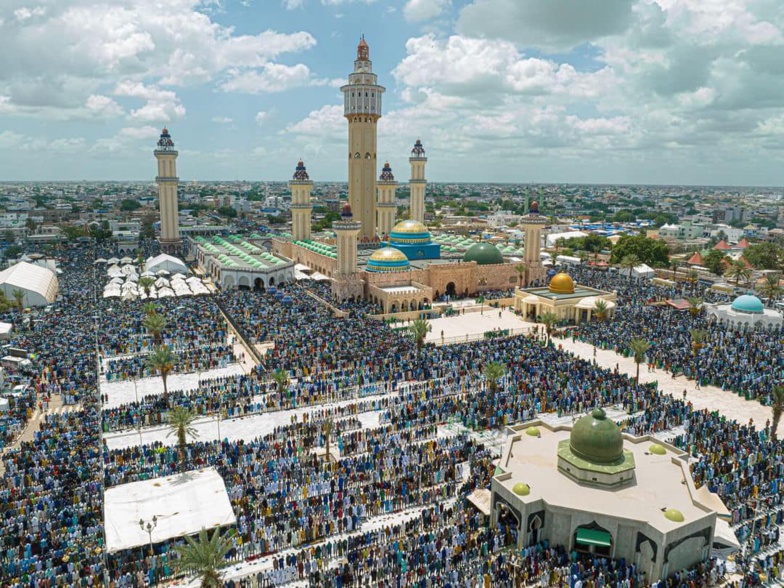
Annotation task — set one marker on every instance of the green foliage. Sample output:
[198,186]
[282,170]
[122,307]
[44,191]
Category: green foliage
[623,216]
[13,251]
[162,361]
[650,251]
[494,371]
[227,211]
[129,205]
[204,556]
[592,242]
[326,222]
[714,261]
[765,255]
[419,330]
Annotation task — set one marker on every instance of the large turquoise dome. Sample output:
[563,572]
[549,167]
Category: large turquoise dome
[408,232]
[596,439]
[749,304]
[483,254]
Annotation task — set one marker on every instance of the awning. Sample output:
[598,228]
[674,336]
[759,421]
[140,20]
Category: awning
[593,537]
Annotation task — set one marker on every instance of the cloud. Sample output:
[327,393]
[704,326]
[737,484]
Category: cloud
[546,24]
[419,10]
[261,116]
[161,105]
[222,120]
[274,77]
[293,4]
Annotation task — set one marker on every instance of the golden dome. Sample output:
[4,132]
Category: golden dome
[561,283]
[409,226]
[388,254]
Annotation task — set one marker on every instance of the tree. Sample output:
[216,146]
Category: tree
[698,339]
[147,283]
[715,261]
[738,271]
[630,262]
[494,371]
[674,264]
[548,320]
[520,269]
[771,287]
[162,361]
[180,422]
[5,304]
[419,330]
[766,255]
[639,347]
[154,323]
[203,557]
[18,296]
[129,205]
[13,251]
[695,304]
[654,252]
[329,425]
[694,275]
[601,310]
[778,408]
[281,379]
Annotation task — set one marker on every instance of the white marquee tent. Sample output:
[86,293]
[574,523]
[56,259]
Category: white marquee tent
[39,284]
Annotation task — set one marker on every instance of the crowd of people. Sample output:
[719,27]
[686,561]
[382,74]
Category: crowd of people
[310,511]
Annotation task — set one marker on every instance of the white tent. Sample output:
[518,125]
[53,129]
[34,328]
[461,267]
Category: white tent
[38,284]
[166,262]
[643,271]
[5,330]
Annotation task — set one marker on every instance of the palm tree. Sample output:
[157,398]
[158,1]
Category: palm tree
[281,379]
[548,320]
[203,557]
[162,361]
[419,330]
[674,264]
[154,323]
[778,408]
[328,427]
[630,262]
[18,296]
[771,287]
[494,371]
[639,347]
[694,275]
[5,304]
[180,420]
[738,271]
[520,269]
[601,309]
[149,308]
[147,283]
[698,339]
[695,304]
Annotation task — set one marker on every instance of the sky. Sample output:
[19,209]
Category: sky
[577,91]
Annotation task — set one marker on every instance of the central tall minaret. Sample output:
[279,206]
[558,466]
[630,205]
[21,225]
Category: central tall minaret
[301,207]
[417,182]
[362,109]
[386,201]
[168,181]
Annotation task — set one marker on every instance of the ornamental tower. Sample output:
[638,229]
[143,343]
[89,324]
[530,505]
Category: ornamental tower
[417,182]
[362,109]
[300,186]
[386,207]
[346,283]
[533,224]
[167,192]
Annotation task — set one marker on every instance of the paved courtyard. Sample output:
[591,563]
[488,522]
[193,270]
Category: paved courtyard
[474,324]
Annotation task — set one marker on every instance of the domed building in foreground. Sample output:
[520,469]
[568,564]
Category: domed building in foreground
[483,254]
[387,259]
[599,491]
[568,301]
[745,310]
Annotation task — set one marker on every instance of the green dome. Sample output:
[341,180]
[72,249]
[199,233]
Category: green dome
[596,439]
[749,304]
[483,254]
[657,449]
[674,515]
[533,432]
[521,489]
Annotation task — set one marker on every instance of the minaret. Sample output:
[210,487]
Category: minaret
[300,186]
[417,182]
[347,283]
[362,109]
[533,223]
[167,191]
[386,206]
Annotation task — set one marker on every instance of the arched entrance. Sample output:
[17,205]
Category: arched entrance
[451,290]
[592,539]
[258,284]
[271,281]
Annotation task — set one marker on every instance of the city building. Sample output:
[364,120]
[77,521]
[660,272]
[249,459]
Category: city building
[565,299]
[745,310]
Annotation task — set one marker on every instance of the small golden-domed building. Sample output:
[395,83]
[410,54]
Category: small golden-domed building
[567,300]
[596,490]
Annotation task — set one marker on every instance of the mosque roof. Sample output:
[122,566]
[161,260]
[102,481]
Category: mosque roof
[561,283]
[483,254]
[749,304]
[387,259]
[596,439]
[409,227]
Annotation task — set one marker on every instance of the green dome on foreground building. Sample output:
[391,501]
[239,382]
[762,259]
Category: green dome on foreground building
[483,254]
[596,439]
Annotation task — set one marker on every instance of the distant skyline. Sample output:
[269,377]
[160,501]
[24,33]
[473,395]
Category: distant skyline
[669,92]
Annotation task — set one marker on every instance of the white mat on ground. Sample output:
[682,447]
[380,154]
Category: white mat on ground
[184,504]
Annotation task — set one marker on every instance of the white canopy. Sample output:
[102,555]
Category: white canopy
[166,262]
[39,284]
[589,303]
